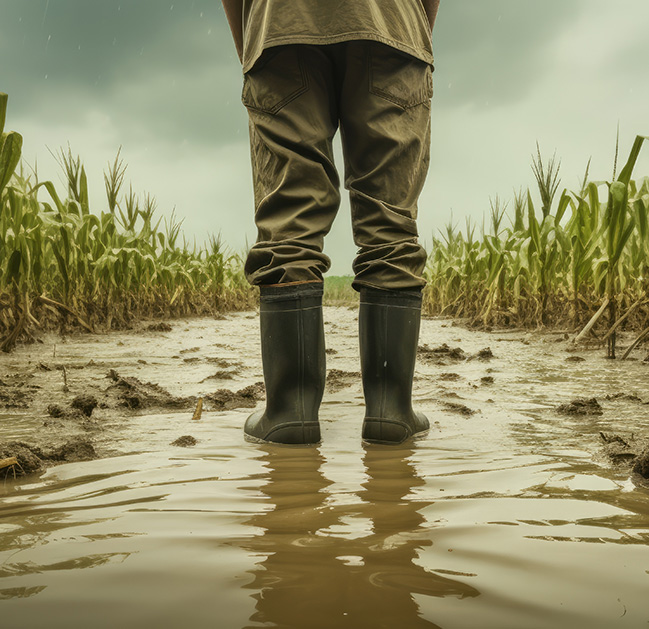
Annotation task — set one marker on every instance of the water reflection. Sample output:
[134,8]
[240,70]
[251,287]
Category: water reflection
[327,565]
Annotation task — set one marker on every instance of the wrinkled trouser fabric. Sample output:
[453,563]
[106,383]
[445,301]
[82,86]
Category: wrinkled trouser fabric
[297,97]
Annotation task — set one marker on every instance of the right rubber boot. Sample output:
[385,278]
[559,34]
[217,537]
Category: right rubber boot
[293,358]
[388,323]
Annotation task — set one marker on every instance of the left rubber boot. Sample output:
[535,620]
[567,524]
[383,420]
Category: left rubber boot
[293,357]
[388,323]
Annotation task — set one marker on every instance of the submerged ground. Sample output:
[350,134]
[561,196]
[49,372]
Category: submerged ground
[513,513]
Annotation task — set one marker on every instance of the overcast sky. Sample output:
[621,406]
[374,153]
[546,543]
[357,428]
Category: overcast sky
[162,80]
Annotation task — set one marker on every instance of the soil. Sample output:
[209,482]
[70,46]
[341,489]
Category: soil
[502,516]
[337,379]
[80,401]
[440,355]
[581,406]
[186,441]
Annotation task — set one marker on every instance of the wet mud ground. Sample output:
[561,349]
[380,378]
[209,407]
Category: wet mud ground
[520,509]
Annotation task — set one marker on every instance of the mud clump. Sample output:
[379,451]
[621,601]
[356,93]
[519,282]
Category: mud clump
[186,441]
[85,403]
[456,407]
[337,379]
[487,380]
[221,374]
[581,406]
[135,394]
[449,376]
[56,411]
[575,359]
[159,327]
[440,354]
[226,400]
[224,363]
[484,354]
[15,392]
[30,458]
[78,449]
[631,397]
[627,451]
[641,465]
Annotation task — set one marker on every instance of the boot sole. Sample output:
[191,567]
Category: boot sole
[292,434]
[379,432]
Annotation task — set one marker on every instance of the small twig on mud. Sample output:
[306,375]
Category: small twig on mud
[8,462]
[199,409]
[65,380]
[11,464]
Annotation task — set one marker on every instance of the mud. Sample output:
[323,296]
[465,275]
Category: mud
[508,514]
[581,406]
[159,327]
[440,355]
[32,458]
[134,394]
[226,400]
[186,441]
[337,379]
[628,451]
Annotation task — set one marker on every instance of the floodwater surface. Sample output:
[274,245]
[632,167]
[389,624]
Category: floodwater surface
[505,516]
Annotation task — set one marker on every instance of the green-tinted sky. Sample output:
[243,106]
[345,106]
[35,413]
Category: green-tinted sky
[161,80]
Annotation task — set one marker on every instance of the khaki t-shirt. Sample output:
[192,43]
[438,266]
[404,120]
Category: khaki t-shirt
[402,24]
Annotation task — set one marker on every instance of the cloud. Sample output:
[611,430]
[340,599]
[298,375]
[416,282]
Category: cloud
[156,69]
[494,52]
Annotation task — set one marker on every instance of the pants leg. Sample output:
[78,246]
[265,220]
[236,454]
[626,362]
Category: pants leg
[385,126]
[291,100]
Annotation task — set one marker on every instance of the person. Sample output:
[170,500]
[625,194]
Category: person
[311,67]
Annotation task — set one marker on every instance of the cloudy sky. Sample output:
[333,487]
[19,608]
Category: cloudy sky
[161,80]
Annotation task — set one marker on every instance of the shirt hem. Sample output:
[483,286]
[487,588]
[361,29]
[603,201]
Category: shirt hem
[425,56]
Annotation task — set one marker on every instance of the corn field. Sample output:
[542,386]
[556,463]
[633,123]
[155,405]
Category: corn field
[63,265]
[579,259]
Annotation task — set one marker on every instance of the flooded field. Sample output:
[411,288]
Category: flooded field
[510,514]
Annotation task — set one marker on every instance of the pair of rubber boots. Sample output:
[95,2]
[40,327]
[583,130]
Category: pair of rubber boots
[293,357]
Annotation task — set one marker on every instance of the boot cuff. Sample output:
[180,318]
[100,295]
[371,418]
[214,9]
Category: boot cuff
[291,291]
[403,298]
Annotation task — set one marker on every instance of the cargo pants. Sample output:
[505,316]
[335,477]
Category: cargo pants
[297,96]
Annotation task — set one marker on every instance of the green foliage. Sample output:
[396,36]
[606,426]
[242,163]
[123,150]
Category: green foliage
[104,268]
[553,266]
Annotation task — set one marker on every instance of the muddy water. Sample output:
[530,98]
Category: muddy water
[504,518]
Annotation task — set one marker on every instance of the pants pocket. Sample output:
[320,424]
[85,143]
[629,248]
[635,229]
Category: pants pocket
[398,77]
[276,79]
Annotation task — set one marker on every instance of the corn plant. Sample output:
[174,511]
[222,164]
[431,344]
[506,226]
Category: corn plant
[62,264]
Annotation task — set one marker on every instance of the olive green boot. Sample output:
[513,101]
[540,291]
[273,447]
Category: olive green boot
[388,323]
[293,357]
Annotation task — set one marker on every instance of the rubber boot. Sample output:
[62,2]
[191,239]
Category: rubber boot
[293,358]
[388,323]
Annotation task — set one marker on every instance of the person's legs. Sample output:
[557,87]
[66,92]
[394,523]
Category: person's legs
[385,127]
[290,96]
